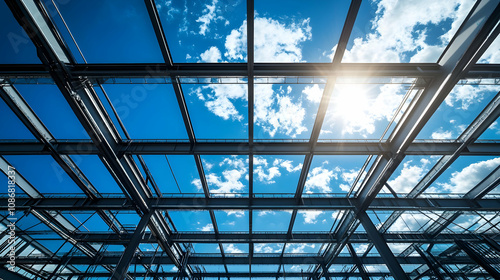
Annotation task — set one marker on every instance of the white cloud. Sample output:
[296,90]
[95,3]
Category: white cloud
[442,134]
[265,212]
[319,179]
[492,54]
[276,112]
[211,55]
[464,180]
[197,184]
[274,41]
[468,95]
[287,164]
[232,249]
[218,99]
[166,5]
[412,221]
[310,216]
[396,33]
[209,14]
[237,213]
[313,93]
[409,176]
[208,227]
[299,248]
[230,181]
[267,178]
[356,108]
[267,248]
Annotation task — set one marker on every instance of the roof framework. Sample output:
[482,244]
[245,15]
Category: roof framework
[89,257]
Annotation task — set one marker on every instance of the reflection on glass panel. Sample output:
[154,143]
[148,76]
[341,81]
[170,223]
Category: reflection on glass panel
[268,220]
[232,220]
[334,174]
[53,110]
[87,222]
[44,173]
[276,174]
[386,32]
[298,31]
[15,46]
[147,111]
[225,174]
[364,111]
[192,220]
[110,37]
[218,111]
[459,109]
[286,111]
[464,174]
[204,31]
[173,173]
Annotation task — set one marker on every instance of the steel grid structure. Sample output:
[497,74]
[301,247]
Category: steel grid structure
[89,257]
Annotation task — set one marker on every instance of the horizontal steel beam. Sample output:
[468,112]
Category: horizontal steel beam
[263,237]
[269,202]
[242,259]
[106,71]
[235,147]
[293,275]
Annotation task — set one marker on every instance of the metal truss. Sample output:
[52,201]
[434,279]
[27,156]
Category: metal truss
[122,158]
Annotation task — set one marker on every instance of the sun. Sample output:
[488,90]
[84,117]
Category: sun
[351,103]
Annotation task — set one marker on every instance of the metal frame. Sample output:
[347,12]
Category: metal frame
[75,81]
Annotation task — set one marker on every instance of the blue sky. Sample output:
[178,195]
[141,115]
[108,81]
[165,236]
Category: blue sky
[215,31]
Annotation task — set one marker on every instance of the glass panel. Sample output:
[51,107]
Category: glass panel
[271,220]
[274,174]
[44,174]
[53,110]
[464,174]
[387,32]
[409,173]
[232,220]
[110,37]
[301,248]
[286,111]
[492,54]
[225,174]
[15,46]
[206,248]
[12,127]
[218,111]
[147,111]
[333,174]
[96,172]
[297,31]
[268,247]
[192,220]
[87,222]
[175,175]
[204,31]
[314,220]
[360,111]
[459,109]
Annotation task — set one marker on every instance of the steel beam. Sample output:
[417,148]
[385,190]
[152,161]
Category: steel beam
[147,258]
[107,72]
[378,240]
[121,268]
[214,147]
[190,202]
[263,237]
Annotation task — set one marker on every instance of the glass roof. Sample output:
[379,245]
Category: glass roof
[163,139]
